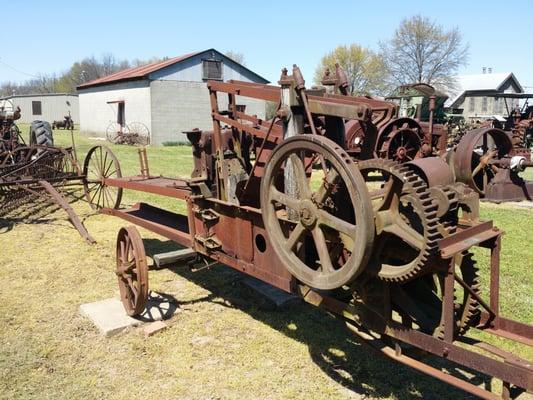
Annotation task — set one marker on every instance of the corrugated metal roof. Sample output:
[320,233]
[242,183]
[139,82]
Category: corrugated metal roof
[137,72]
[473,82]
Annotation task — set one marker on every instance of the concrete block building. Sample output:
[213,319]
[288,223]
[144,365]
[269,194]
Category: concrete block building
[169,97]
[479,95]
[46,107]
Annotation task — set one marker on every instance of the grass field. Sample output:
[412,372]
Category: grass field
[221,345]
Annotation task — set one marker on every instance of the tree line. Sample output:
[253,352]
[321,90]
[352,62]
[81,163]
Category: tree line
[86,70]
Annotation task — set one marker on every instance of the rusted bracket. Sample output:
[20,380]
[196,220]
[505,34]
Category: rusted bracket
[211,243]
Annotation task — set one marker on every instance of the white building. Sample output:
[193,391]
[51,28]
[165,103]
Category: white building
[478,94]
[46,107]
[169,97]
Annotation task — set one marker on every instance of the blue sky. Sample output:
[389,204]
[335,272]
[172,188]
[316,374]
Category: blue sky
[47,37]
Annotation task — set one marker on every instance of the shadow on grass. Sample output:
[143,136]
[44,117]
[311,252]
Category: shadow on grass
[22,207]
[336,351]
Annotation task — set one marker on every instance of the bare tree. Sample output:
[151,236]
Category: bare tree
[235,56]
[364,69]
[423,52]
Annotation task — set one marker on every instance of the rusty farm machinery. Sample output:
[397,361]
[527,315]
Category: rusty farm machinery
[383,245]
[39,170]
[488,159]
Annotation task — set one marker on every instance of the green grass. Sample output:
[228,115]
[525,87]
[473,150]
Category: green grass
[222,345]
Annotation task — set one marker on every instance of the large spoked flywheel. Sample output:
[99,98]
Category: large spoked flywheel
[475,154]
[317,212]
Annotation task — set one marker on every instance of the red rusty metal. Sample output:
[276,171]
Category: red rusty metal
[42,171]
[226,224]
[484,160]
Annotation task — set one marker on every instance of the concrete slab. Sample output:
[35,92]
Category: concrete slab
[154,327]
[276,297]
[110,318]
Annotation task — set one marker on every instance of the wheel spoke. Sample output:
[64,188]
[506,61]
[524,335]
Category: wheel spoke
[405,232]
[104,162]
[282,198]
[133,288]
[96,164]
[476,170]
[322,250]
[336,223]
[294,237]
[97,191]
[301,177]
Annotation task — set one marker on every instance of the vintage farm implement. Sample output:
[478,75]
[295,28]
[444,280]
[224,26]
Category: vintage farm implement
[29,172]
[488,159]
[42,172]
[384,246]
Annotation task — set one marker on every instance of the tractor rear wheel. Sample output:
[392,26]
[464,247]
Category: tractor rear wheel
[41,134]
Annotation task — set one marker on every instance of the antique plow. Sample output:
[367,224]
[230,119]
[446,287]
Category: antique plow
[384,246]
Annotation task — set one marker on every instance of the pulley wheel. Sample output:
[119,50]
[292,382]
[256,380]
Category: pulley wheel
[475,154]
[317,211]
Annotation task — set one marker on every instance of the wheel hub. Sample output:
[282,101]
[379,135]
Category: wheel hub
[308,214]
[401,153]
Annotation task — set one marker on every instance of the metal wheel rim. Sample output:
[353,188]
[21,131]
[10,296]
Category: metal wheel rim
[100,164]
[363,226]
[132,270]
[390,130]
[403,213]
[114,131]
[467,160]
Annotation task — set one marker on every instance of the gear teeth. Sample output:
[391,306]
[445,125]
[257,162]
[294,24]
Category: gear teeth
[423,205]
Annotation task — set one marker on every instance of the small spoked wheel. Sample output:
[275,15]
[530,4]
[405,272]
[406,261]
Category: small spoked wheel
[132,270]
[317,211]
[101,164]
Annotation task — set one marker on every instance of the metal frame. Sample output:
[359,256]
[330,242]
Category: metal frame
[230,230]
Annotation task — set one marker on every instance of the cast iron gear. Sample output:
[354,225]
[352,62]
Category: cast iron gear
[406,221]
[422,298]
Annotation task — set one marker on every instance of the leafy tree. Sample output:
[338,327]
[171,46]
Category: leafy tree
[423,52]
[364,69]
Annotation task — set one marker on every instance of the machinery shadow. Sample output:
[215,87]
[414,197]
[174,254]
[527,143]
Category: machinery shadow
[332,347]
[35,210]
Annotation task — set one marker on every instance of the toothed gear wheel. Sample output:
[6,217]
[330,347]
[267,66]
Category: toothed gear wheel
[426,294]
[445,198]
[407,227]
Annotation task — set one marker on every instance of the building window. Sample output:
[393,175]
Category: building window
[121,114]
[484,102]
[36,108]
[497,105]
[212,69]
[472,104]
